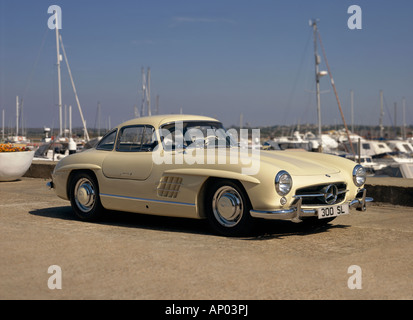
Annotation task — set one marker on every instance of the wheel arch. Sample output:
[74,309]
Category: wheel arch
[73,173]
[207,185]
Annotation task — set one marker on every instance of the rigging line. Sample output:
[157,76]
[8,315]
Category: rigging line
[335,92]
[74,88]
[388,113]
[31,74]
[290,99]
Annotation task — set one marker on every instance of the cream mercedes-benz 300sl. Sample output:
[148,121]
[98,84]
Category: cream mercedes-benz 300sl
[189,166]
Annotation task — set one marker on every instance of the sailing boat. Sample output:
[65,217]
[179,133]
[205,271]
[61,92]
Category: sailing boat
[18,139]
[323,146]
[61,146]
[320,142]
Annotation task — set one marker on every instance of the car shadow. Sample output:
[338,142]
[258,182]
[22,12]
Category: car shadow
[130,220]
[264,230]
[268,230]
[64,213]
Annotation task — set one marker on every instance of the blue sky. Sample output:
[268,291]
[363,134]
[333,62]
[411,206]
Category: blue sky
[218,57]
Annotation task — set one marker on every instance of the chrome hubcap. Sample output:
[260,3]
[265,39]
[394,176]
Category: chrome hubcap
[227,206]
[84,195]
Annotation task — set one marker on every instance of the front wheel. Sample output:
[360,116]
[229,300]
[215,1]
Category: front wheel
[84,197]
[228,209]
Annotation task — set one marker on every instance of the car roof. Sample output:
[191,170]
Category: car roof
[158,120]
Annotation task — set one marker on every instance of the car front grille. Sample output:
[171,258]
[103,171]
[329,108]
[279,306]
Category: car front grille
[324,194]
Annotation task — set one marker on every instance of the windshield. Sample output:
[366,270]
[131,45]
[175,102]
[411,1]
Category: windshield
[195,134]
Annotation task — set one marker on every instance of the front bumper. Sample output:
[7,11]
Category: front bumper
[296,211]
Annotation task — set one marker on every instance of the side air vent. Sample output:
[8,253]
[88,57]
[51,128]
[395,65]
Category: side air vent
[169,186]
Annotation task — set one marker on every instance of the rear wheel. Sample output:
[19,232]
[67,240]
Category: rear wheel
[228,209]
[84,197]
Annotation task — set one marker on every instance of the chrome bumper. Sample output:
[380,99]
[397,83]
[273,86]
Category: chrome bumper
[296,212]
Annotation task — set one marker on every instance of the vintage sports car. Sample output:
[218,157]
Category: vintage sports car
[189,166]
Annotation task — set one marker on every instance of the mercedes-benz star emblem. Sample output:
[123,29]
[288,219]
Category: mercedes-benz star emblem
[330,194]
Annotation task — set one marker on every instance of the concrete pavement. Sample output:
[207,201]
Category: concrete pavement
[132,256]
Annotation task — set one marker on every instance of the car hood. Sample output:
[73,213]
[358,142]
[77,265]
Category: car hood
[302,163]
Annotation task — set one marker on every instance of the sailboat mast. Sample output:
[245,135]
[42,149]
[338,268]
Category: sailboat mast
[334,88]
[74,91]
[59,80]
[143,92]
[2,123]
[317,76]
[395,120]
[404,118]
[352,110]
[99,110]
[70,121]
[381,114]
[148,92]
[17,116]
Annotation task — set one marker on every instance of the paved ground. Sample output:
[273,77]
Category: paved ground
[129,256]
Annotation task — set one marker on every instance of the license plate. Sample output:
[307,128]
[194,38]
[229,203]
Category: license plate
[333,211]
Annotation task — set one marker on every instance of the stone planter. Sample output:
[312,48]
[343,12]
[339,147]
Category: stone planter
[14,165]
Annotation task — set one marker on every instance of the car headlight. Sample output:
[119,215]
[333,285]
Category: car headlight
[283,183]
[359,175]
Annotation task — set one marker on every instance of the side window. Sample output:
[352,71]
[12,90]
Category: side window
[172,137]
[136,139]
[148,139]
[107,142]
[130,138]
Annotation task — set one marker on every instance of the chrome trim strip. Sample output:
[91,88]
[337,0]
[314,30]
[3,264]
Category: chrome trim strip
[287,211]
[310,195]
[290,214]
[150,200]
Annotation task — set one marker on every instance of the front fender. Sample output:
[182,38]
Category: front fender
[78,166]
[206,172]
[61,174]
